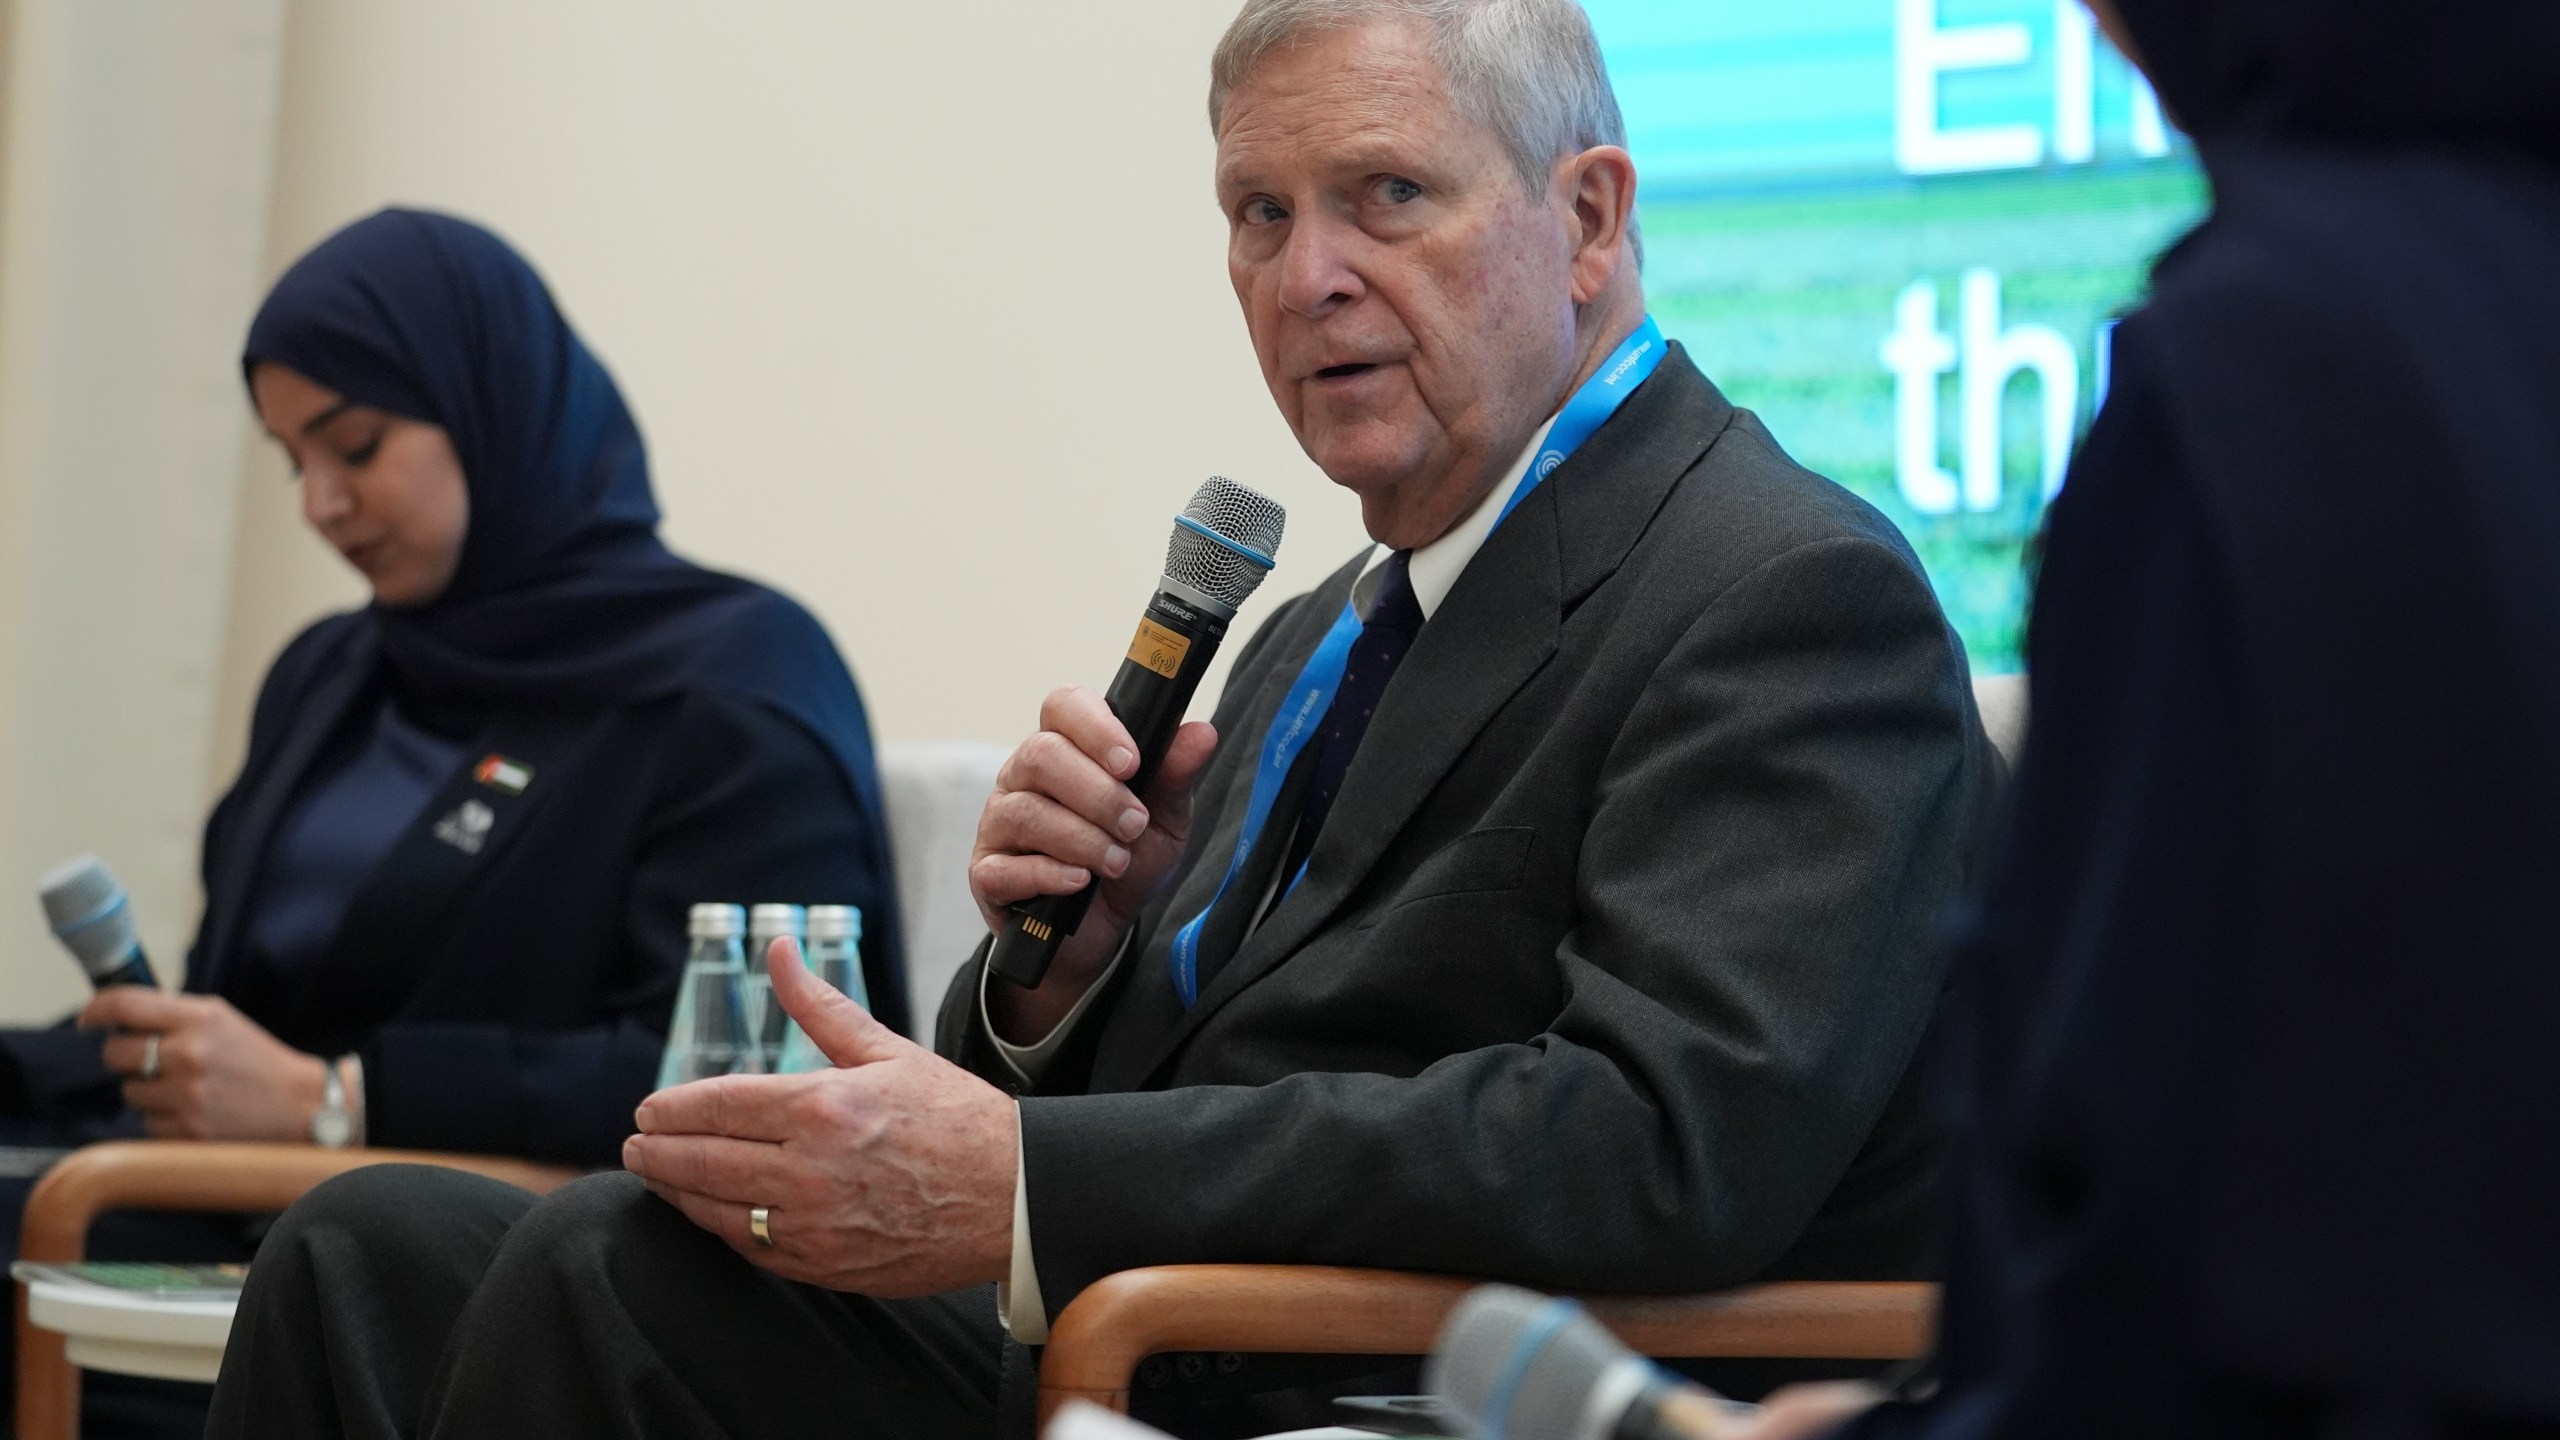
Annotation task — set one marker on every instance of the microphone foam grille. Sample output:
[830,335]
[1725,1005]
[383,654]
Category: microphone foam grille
[1477,1364]
[1242,515]
[87,910]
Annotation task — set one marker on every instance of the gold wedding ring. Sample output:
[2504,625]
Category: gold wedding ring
[151,1056]
[760,1225]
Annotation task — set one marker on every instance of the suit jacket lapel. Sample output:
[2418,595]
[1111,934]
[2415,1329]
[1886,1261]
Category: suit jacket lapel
[1626,472]
[1456,677]
[1145,1010]
[374,960]
[236,869]
[1490,637]
[1450,684]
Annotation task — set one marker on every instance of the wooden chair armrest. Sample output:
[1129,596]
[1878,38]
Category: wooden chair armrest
[1097,1342]
[215,1176]
[182,1175]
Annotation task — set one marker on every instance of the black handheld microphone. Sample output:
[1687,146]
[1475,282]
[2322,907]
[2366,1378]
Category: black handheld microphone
[1223,544]
[90,916]
[1514,1363]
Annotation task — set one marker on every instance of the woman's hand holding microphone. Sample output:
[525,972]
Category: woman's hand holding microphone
[198,1069]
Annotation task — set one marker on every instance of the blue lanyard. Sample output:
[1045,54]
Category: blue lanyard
[1302,712]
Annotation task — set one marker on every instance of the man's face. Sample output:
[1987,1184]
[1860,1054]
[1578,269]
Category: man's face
[1411,304]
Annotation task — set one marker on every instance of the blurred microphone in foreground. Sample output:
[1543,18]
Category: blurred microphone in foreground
[1524,1366]
[86,906]
[1530,1367]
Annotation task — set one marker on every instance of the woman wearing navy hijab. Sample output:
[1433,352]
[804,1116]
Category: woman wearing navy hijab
[456,866]
[2257,1074]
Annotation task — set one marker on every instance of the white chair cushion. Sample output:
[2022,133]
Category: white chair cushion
[934,791]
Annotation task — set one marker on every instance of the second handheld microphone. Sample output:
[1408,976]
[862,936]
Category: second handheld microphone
[1223,543]
[91,917]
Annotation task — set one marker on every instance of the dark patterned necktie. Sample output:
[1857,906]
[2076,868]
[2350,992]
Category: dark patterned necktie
[1386,633]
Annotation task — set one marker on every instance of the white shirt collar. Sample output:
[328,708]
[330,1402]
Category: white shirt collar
[1435,568]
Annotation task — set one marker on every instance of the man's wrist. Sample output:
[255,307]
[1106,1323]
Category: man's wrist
[1021,1017]
[1029,1059]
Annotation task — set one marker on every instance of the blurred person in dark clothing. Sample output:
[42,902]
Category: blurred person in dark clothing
[2256,1080]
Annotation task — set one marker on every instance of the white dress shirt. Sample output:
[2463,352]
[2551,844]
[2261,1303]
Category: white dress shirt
[1433,571]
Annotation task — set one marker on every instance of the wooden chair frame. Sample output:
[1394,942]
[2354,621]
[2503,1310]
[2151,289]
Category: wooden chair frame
[1098,1341]
[1096,1344]
[180,1175]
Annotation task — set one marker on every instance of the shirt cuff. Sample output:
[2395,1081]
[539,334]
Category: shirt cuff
[1018,1304]
[1029,1062]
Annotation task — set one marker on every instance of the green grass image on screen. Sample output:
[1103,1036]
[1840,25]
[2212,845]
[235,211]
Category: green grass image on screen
[1783,234]
[1787,299]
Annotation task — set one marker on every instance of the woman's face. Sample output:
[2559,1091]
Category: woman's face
[387,491]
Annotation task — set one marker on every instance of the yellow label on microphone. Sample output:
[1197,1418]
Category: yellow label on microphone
[1159,649]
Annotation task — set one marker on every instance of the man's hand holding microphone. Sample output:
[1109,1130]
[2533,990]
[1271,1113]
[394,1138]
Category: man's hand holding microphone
[1063,817]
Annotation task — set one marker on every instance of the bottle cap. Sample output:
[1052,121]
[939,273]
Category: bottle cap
[770,920]
[835,922]
[716,922]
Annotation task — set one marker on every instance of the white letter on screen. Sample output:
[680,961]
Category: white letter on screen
[1991,356]
[2150,129]
[1921,53]
[2075,94]
[1917,353]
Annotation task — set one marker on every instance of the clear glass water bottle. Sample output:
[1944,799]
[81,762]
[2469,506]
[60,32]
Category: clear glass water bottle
[835,956]
[765,924]
[709,1035]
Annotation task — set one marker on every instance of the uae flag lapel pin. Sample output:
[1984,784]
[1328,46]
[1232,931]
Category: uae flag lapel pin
[503,775]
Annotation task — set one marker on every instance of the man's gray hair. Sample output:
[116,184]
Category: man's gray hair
[1528,70]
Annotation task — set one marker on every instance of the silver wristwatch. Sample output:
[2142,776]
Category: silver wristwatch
[335,1125]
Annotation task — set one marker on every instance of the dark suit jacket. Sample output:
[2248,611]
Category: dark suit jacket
[1610,966]
[513,1000]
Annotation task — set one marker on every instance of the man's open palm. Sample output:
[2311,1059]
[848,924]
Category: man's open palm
[890,1175]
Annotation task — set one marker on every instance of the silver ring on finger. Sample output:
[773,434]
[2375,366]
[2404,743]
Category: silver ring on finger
[151,1056]
[760,1225]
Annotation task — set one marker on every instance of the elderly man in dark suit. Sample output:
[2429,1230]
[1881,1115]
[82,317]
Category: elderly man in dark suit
[1585,940]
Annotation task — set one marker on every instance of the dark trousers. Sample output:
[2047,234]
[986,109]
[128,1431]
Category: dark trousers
[401,1301]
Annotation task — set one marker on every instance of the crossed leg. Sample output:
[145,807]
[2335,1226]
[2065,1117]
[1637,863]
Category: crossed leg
[398,1301]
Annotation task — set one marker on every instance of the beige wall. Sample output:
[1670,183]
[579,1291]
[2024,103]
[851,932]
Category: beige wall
[922,307]
[135,146]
